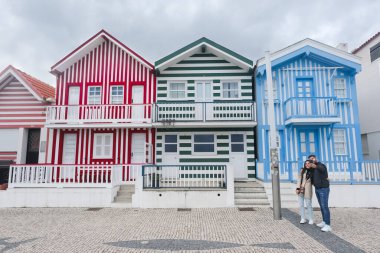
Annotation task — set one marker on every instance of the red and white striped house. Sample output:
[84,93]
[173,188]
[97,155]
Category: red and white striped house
[23,101]
[102,117]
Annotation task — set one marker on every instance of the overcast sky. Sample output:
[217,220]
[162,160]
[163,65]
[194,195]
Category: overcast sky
[35,34]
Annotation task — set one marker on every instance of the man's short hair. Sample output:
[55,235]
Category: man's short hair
[310,156]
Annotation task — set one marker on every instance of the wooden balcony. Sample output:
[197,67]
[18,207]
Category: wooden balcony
[311,110]
[63,116]
[205,114]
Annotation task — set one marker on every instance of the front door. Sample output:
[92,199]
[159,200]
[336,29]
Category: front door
[138,102]
[68,155]
[203,95]
[305,92]
[73,102]
[308,144]
[33,146]
[238,155]
[138,154]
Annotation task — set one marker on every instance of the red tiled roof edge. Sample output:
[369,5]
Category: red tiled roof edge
[365,43]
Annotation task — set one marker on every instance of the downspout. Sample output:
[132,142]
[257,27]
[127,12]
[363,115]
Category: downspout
[255,129]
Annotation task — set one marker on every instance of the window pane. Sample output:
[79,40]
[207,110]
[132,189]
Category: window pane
[98,151]
[203,147]
[170,138]
[171,148]
[107,139]
[237,138]
[107,151]
[98,140]
[199,90]
[237,147]
[204,138]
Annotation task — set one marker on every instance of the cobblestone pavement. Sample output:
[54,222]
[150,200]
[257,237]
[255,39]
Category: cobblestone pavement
[198,230]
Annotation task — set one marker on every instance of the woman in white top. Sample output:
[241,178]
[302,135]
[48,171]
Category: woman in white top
[305,192]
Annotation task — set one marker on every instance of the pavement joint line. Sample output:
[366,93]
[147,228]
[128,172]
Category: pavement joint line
[331,241]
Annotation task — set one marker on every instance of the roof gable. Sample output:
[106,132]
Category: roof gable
[89,45]
[205,46]
[40,90]
[313,49]
[365,43]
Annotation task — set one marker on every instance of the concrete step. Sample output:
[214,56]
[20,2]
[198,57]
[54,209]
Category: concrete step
[247,189]
[250,195]
[125,192]
[129,187]
[251,202]
[121,205]
[263,204]
[123,199]
[248,184]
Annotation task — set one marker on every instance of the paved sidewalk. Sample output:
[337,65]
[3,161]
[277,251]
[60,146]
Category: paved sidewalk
[198,230]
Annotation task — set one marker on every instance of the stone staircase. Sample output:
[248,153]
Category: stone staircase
[123,198]
[250,193]
[289,198]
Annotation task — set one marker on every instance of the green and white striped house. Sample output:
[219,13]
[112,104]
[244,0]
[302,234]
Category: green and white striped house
[205,112]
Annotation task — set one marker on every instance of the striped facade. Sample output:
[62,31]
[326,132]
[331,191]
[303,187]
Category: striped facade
[103,62]
[200,66]
[331,129]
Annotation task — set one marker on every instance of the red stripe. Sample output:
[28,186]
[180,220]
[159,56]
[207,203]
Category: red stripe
[8,153]
[38,109]
[16,95]
[22,120]
[3,158]
[18,99]
[20,115]
[21,126]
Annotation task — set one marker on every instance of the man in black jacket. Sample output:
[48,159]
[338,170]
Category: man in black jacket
[322,190]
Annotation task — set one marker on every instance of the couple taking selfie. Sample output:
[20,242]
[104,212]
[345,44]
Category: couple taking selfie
[314,173]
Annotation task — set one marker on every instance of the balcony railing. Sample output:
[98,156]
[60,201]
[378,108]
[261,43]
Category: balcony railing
[61,176]
[136,113]
[310,107]
[343,172]
[184,176]
[205,111]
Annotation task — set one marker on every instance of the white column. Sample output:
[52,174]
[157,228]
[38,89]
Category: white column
[22,145]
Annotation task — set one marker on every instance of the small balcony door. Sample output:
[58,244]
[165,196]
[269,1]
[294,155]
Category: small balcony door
[138,102]
[308,144]
[305,91]
[69,155]
[138,151]
[203,94]
[33,146]
[73,100]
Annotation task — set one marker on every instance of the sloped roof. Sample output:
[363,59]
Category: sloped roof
[91,43]
[186,50]
[365,43]
[42,89]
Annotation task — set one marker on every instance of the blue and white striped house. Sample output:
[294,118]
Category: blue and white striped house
[312,109]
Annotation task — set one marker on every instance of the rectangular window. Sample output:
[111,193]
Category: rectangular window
[340,142]
[340,89]
[204,143]
[375,52]
[274,85]
[230,90]
[94,95]
[177,90]
[117,95]
[237,143]
[171,143]
[103,144]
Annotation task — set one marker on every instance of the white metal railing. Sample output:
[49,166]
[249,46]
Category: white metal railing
[310,107]
[41,175]
[205,111]
[351,172]
[184,176]
[133,113]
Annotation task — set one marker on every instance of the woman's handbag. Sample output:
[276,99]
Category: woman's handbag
[302,190]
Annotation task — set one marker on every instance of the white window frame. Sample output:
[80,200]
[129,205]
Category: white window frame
[89,97]
[117,96]
[203,83]
[274,85]
[340,89]
[203,153]
[244,142]
[170,90]
[340,146]
[238,89]
[164,144]
[102,145]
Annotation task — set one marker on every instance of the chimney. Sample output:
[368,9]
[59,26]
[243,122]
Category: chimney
[343,47]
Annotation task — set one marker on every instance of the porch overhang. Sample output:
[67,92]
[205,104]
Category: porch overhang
[313,121]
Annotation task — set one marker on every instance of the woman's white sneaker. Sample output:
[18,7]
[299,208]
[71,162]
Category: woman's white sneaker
[326,228]
[311,222]
[303,221]
[321,225]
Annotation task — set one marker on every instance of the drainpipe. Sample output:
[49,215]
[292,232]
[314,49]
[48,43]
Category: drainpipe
[255,131]
[272,142]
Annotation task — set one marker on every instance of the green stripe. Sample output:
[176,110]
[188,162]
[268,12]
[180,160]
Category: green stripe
[223,152]
[201,68]
[158,160]
[222,137]
[216,81]
[246,87]
[162,88]
[216,94]
[251,137]
[185,144]
[204,74]
[190,81]
[185,152]
[250,152]
[159,137]
[204,160]
[246,94]
[158,145]
[246,80]
[216,87]
[222,144]
[185,137]
[162,81]
[190,88]
[251,160]
[251,168]
[163,95]
[202,61]
[191,95]
[203,55]
[250,144]
[251,176]
[159,152]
